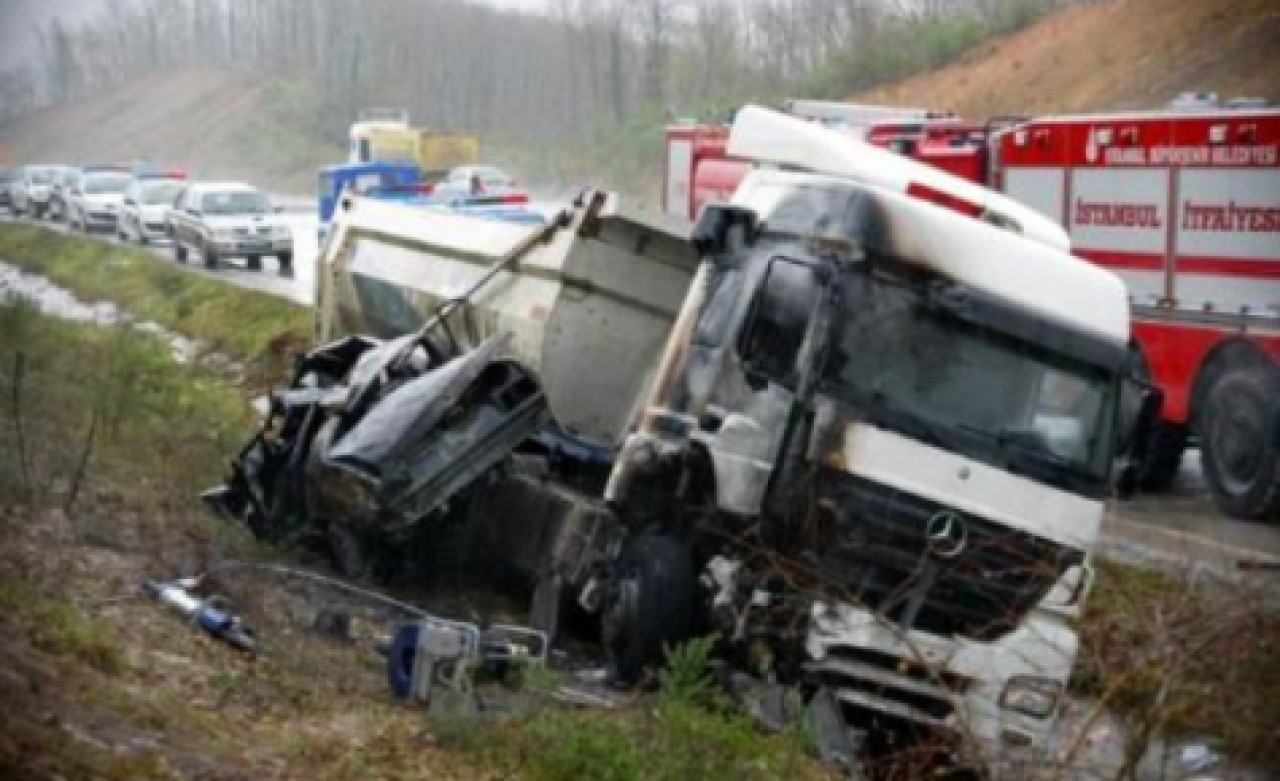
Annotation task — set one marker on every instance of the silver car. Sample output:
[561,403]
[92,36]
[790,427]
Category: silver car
[95,200]
[32,189]
[217,220]
[144,215]
[64,181]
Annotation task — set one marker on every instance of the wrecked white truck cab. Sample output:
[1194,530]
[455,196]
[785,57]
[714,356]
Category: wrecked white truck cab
[860,424]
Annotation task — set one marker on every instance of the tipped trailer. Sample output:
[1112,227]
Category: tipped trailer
[865,438]
[1182,203]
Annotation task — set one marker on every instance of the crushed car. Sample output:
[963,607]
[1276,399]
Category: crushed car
[863,435]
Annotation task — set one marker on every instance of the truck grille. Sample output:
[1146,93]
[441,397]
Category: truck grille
[869,680]
[876,551]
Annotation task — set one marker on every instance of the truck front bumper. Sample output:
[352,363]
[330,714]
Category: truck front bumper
[967,688]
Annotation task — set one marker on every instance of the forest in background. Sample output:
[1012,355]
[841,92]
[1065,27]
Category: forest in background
[572,96]
[581,67]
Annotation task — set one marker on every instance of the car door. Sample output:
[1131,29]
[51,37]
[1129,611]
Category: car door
[130,218]
[73,197]
[180,215]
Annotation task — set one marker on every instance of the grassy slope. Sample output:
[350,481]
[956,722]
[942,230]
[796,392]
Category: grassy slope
[242,323]
[1103,55]
[99,683]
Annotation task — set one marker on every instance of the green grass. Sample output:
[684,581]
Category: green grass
[690,731]
[241,323]
[57,627]
[159,429]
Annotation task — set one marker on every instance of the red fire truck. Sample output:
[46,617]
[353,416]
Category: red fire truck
[1183,204]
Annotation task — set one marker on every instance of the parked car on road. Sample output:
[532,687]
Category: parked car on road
[32,189]
[143,217]
[223,219]
[7,177]
[96,198]
[64,181]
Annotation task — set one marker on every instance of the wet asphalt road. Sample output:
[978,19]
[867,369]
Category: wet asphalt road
[1169,530]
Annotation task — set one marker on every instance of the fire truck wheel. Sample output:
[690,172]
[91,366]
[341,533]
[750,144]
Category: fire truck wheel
[1241,455]
[648,604]
[1164,456]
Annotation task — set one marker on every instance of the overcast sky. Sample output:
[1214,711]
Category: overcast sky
[20,18]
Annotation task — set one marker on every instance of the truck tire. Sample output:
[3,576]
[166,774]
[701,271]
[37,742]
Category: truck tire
[1165,449]
[179,251]
[1238,442]
[286,263]
[349,551]
[648,605]
[254,262]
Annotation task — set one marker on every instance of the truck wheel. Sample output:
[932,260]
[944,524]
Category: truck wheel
[254,262]
[648,604]
[349,551]
[209,255]
[1164,456]
[286,263]
[1238,442]
[179,251]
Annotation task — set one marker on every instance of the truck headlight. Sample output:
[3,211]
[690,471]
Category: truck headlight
[1036,697]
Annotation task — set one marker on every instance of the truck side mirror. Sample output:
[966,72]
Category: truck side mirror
[1138,436]
[721,228]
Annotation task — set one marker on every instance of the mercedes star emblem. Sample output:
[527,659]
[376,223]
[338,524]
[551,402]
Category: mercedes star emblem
[946,534]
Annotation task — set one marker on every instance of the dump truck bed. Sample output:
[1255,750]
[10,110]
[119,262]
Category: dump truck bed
[588,303]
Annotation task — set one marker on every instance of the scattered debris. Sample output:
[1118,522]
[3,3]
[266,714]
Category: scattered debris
[439,662]
[210,614]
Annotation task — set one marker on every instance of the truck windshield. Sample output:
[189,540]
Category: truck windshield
[912,366]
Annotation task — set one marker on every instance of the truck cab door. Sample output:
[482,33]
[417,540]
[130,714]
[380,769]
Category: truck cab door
[745,428]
